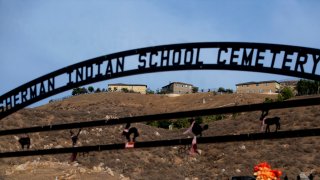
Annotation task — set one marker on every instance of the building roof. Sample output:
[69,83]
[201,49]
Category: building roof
[121,84]
[181,83]
[259,82]
[289,82]
[177,83]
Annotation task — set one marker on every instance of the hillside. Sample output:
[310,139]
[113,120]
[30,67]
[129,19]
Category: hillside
[217,161]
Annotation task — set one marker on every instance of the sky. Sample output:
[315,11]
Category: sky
[39,37]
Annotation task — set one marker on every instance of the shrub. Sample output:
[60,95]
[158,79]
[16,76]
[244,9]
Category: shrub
[164,124]
[149,91]
[280,98]
[160,124]
[287,93]
[195,89]
[153,123]
[307,87]
[184,122]
[78,90]
[90,89]
[181,123]
[221,90]
[234,115]
[229,91]
[125,90]
[268,100]
[217,117]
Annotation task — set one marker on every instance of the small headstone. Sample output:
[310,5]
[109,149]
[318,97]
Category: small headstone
[303,176]
[157,133]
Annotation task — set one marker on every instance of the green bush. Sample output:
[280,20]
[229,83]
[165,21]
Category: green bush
[125,90]
[307,87]
[195,89]
[286,93]
[211,118]
[90,89]
[153,123]
[280,98]
[185,122]
[164,124]
[149,91]
[181,123]
[268,100]
[160,124]
[234,115]
[178,123]
[78,90]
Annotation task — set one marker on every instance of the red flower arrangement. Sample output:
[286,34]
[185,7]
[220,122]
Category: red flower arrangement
[263,171]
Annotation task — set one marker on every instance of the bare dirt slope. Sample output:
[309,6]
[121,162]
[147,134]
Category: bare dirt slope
[218,161]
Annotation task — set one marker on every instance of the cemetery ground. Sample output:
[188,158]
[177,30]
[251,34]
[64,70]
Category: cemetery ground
[217,161]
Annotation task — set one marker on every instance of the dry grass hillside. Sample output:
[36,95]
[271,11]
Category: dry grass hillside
[218,161]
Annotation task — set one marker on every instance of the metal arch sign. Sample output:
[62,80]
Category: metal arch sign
[256,57]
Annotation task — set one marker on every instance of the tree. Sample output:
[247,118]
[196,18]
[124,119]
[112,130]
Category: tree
[75,91]
[160,124]
[78,90]
[230,91]
[307,87]
[84,91]
[221,90]
[125,90]
[268,100]
[149,91]
[158,91]
[181,123]
[90,89]
[286,93]
[195,89]
[98,90]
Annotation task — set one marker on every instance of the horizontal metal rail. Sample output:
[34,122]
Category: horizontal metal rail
[172,142]
[156,117]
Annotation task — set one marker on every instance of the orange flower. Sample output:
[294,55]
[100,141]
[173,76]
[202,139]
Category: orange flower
[263,172]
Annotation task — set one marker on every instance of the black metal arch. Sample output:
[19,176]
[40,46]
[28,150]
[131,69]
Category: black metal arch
[254,57]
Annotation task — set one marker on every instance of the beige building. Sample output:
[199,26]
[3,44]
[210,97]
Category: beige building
[264,87]
[177,88]
[138,88]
